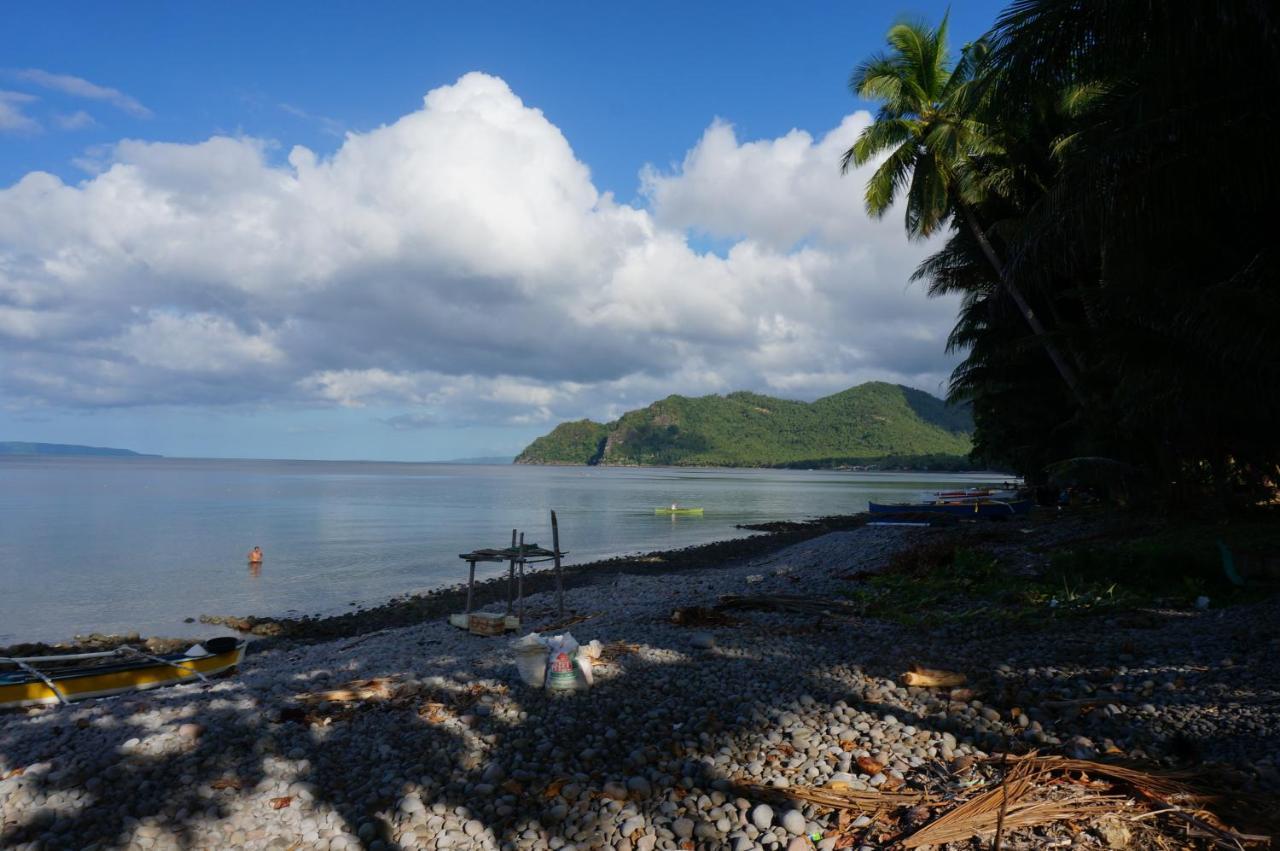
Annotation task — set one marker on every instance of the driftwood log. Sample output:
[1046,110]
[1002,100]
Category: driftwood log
[932,678]
[822,607]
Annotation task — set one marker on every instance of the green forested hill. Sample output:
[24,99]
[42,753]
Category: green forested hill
[870,423]
[577,442]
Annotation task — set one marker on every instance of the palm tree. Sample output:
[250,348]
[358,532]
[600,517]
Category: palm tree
[1161,227]
[926,126]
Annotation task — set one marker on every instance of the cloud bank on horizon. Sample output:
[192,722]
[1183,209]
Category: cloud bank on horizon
[458,264]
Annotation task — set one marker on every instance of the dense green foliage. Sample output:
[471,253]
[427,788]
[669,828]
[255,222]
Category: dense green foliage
[577,442]
[949,579]
[1185,561]
[863,425]
[1104,171]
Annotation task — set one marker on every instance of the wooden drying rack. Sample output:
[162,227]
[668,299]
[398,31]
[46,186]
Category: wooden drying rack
[517,556]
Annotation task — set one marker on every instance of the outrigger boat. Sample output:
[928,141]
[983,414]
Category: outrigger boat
[39,681]
[982,495]
[976,508]
[967,492]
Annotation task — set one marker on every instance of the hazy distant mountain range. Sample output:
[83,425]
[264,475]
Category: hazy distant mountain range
[871,424]
[13,447]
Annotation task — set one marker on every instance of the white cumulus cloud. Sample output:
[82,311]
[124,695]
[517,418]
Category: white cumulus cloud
[457,262]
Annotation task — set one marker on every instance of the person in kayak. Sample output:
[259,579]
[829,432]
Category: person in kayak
[673,507]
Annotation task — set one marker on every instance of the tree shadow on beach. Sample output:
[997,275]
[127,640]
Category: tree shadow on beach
[474,751]
[115,753]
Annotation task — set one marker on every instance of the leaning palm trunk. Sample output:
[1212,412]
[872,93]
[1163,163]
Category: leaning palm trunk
[1033,321]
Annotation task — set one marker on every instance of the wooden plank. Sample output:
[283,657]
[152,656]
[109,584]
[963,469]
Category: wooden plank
[471,584]
[520,583]
[555,547]
[511,573]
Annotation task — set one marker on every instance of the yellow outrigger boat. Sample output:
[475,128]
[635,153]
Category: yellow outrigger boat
[124,669]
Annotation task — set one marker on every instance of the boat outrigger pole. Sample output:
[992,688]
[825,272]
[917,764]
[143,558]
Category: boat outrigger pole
[35,672]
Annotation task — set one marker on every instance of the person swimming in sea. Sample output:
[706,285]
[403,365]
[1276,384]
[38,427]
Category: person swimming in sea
[255,555]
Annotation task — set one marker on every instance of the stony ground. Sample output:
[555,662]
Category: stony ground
[465,756]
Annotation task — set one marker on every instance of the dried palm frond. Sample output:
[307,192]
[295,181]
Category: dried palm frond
[1162,783]
[1167,790]
[839,796]
[1034,790]
[1013,805]
[615,649]
[567,622]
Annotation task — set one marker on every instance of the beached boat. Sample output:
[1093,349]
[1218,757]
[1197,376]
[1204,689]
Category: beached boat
[968,492]
[970,498]
[39,679]
[975,508]
[669,510]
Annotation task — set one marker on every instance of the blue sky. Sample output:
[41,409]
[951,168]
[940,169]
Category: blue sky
[105,324]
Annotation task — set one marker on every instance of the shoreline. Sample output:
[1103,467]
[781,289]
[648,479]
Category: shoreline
[413,608]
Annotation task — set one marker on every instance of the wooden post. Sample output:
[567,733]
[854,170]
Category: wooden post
[555,548]
[471,585]
[511,574]
[520,583]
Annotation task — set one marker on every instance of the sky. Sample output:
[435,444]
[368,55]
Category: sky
[433,231]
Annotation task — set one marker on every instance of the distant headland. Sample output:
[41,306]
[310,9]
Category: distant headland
[15,447]
[874,425]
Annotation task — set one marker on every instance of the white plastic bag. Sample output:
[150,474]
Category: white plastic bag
[563,671]
[531,659]
[588,655]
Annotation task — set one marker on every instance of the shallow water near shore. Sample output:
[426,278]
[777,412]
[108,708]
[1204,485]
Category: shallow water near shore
[140,544]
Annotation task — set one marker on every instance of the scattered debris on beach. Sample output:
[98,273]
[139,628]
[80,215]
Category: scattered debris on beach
[784,729]
[1011,793]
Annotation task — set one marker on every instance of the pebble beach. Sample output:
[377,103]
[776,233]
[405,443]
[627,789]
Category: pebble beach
[450,750]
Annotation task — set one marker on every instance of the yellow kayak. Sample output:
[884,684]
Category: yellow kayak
[37,681]
[677,511]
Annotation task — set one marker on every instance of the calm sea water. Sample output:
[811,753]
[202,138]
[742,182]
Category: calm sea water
[118,545]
